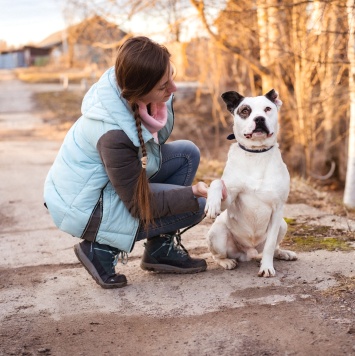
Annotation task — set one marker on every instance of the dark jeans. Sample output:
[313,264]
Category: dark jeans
[180,160]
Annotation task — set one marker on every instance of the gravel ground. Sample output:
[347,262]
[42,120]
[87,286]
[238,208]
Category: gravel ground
[49,305]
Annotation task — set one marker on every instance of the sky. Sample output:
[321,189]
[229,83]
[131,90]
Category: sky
[26,21]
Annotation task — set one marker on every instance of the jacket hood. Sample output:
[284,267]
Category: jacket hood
[103,102]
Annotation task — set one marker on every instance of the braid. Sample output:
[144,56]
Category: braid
[142,197]
[141,58]
[138,120]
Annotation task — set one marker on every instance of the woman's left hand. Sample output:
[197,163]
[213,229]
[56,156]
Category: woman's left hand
[159,111]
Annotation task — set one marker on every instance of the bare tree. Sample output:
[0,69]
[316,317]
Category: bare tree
[329,52]
[298,48]
[302,53]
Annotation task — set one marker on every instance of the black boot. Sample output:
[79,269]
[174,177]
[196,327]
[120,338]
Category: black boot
[100,260]
[166,254]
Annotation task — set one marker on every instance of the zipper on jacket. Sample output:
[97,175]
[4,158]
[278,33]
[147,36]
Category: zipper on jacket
[135,237]
[172,127]
[100,205]
[90,218]
[172,110]
[160,162]
[101,202]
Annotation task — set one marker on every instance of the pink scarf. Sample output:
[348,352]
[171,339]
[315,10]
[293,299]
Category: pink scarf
[157,120]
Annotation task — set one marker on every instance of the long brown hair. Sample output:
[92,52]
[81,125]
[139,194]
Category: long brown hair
[140,64]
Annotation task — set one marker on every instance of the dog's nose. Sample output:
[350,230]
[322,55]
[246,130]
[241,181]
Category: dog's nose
[259,120]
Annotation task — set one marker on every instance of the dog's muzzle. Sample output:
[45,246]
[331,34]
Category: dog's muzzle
[260,127]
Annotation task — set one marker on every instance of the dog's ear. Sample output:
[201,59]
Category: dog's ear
[232,99]
[273,96]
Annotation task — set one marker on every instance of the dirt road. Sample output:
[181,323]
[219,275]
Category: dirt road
[49,305]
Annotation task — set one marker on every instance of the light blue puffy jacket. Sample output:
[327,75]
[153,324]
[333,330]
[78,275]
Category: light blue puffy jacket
[77,180]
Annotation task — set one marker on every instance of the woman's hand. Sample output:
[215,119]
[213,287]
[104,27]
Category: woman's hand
[200,189]
[158,111]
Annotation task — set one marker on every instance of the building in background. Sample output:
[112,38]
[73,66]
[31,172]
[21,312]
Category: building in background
[91,41]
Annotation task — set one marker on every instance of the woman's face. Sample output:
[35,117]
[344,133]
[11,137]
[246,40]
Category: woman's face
[163,89]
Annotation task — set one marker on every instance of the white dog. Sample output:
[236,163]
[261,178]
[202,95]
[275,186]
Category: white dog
[257,183]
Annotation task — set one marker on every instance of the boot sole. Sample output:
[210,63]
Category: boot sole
[92,270]
[160,268]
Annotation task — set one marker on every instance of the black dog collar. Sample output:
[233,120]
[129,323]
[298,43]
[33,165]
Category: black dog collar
[255,151]
[232,137]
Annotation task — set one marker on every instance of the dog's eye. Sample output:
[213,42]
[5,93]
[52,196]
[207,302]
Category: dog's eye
[245,111]
[267,109]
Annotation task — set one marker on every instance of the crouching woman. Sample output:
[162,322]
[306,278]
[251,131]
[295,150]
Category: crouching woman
[116,180]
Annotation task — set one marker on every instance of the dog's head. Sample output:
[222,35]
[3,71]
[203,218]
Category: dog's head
[255,118]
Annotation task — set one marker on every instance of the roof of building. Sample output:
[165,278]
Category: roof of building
[94,28]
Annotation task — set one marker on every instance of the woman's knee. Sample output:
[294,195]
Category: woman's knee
[189,148]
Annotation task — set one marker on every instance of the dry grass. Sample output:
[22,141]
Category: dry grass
[322,197]
[52,75]
[59,106]
[345,287]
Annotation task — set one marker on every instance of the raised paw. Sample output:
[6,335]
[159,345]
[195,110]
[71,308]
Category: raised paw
[214,199]
[213,208]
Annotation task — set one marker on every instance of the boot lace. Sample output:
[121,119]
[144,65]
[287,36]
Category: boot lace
[174,243]
[115,257]
[124,258]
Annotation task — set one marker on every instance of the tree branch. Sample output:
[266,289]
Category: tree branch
[255,65]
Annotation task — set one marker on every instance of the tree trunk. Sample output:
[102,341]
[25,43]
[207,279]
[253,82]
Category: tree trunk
[331,47]
[268,40]
[300,121]
[349,193]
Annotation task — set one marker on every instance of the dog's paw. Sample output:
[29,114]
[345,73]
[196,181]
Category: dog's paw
[212,208]
[266,271]
[214,199]
[285,255]
[227,263]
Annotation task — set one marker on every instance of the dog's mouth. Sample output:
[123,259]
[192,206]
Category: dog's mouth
[260,130]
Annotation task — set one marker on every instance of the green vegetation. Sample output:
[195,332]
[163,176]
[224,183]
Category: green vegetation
[303,237]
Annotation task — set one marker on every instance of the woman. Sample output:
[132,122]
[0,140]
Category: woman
[115,179]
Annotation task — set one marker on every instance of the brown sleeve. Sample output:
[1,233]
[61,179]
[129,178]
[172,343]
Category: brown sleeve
[121,162]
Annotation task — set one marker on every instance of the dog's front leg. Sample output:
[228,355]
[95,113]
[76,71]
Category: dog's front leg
[214,199]
[267,261]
